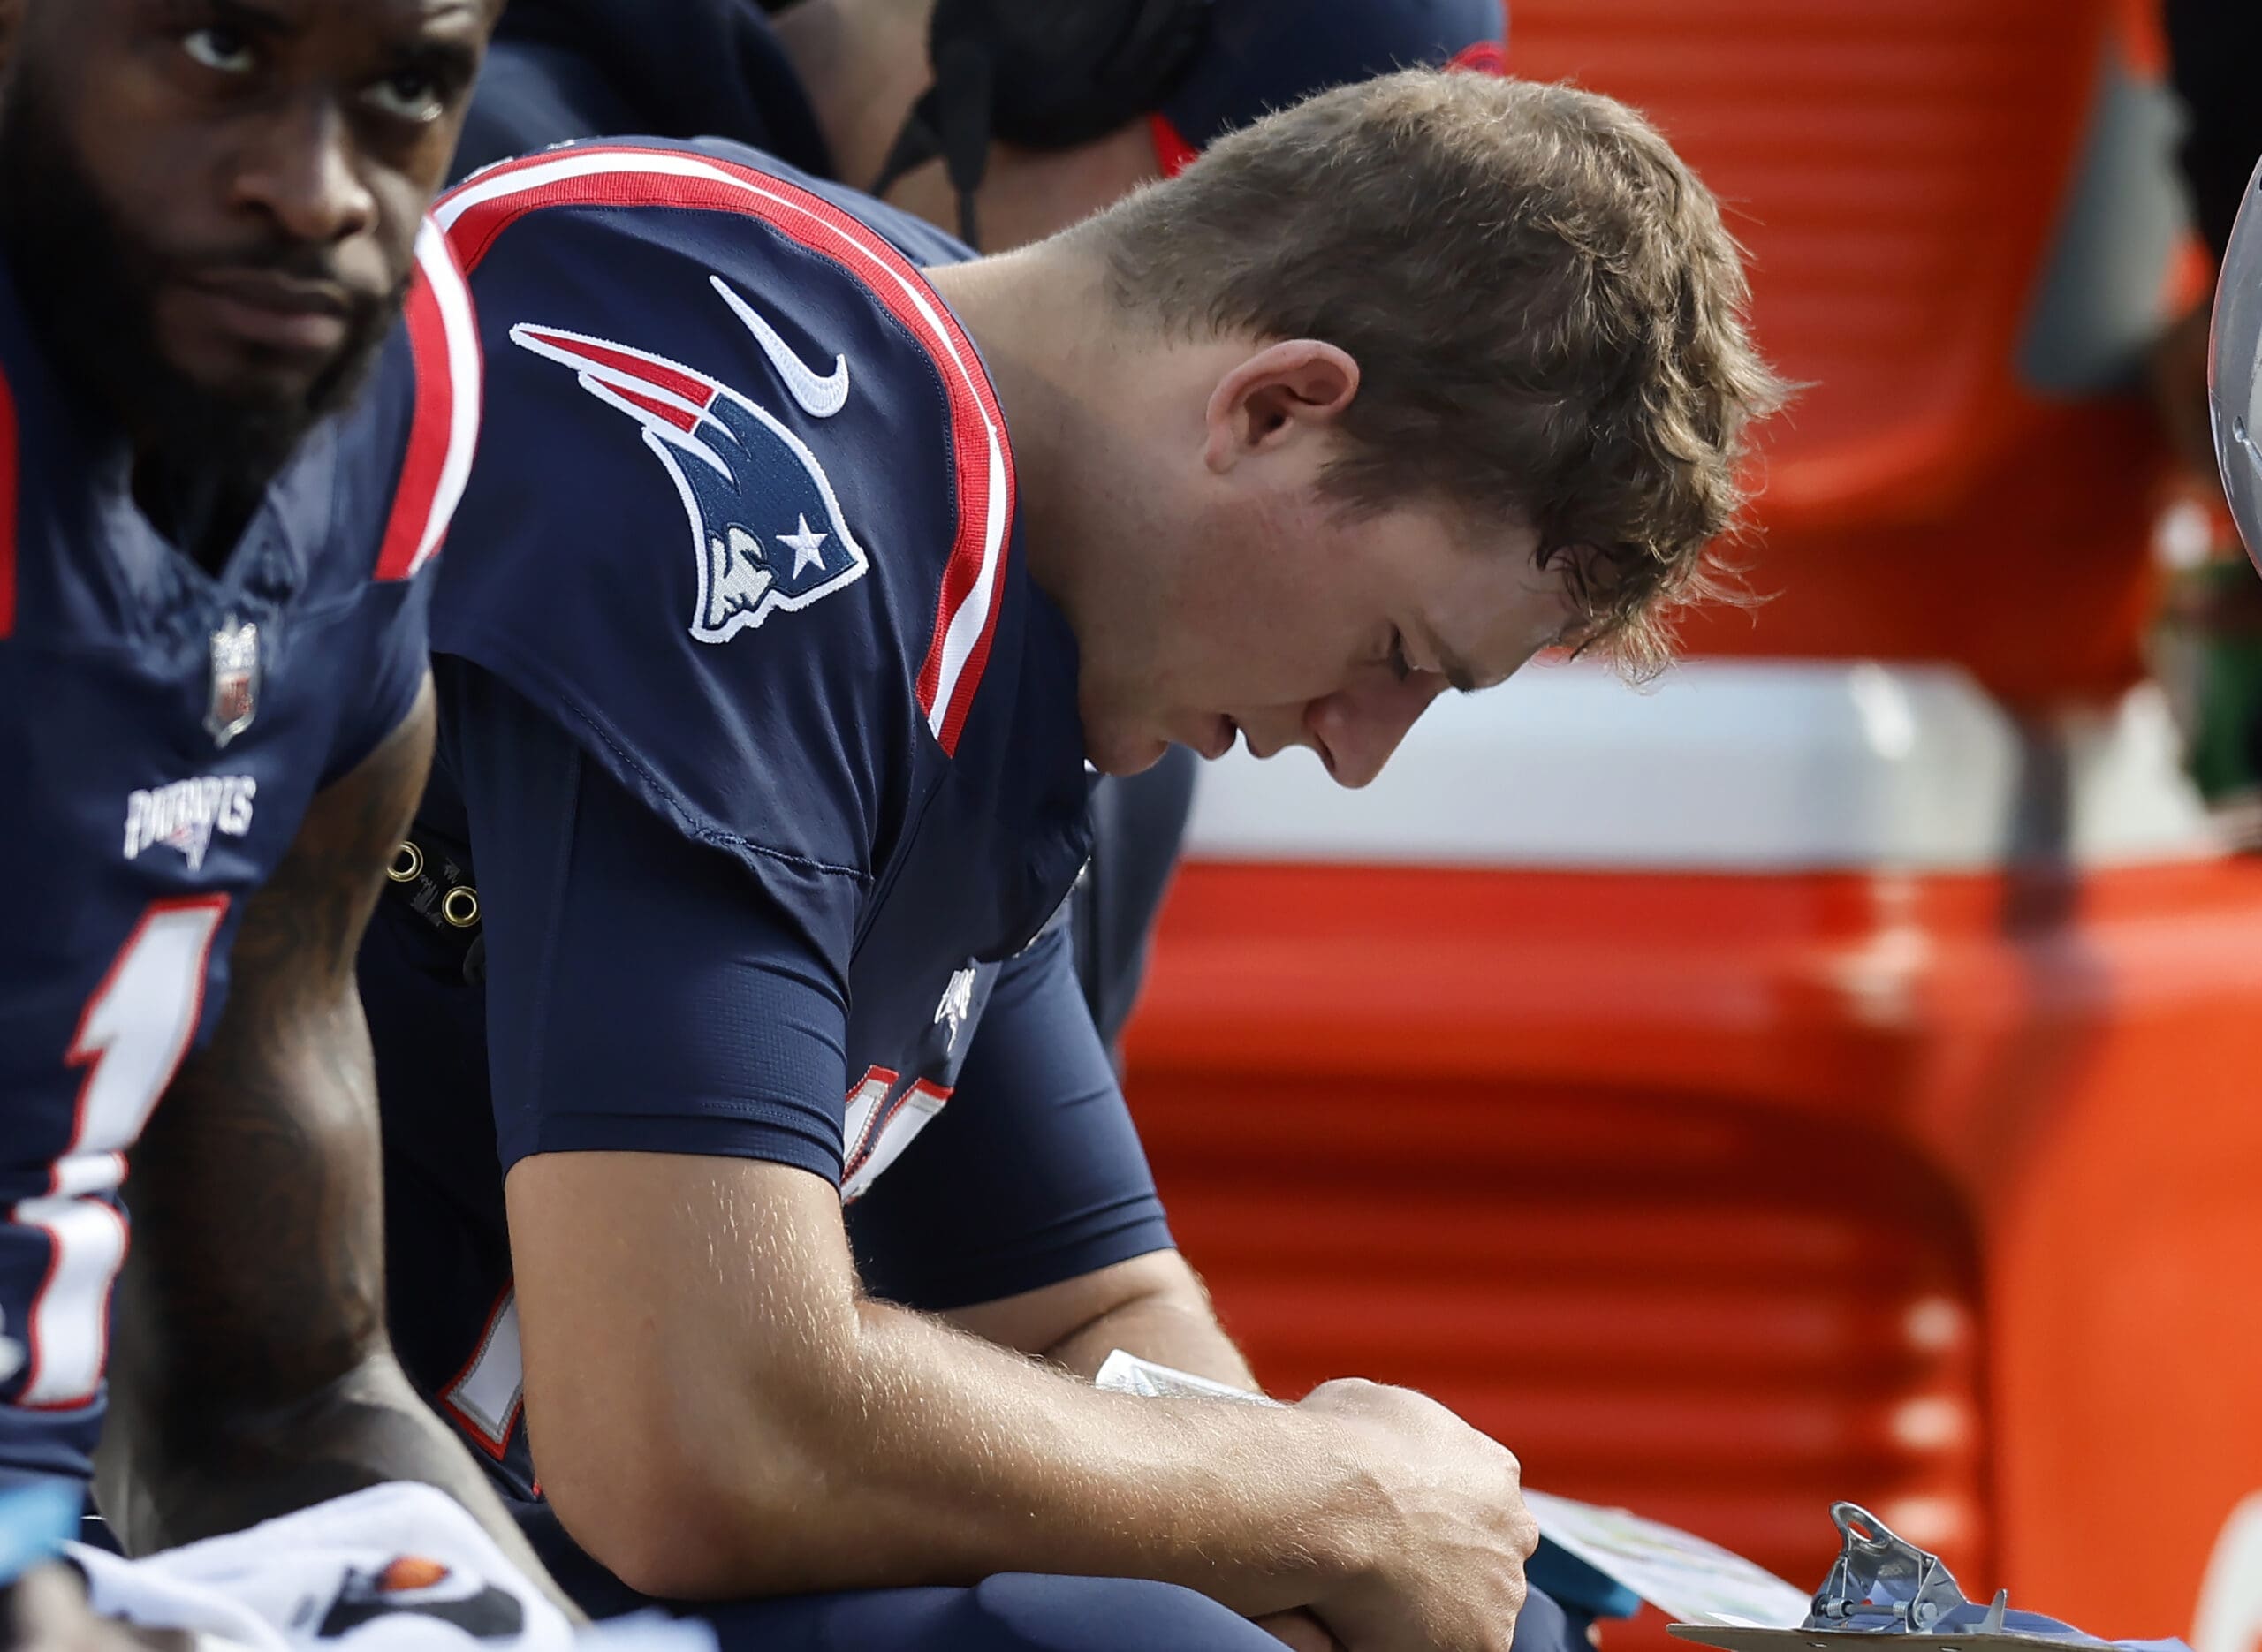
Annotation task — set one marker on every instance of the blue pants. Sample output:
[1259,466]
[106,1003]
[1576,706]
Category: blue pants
[1015,1611]
[1021,1611]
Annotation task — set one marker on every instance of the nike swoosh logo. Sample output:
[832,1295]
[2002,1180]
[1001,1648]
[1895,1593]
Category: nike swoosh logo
[819,396]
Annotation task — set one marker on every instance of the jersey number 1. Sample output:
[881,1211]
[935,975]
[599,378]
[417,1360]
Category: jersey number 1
[132,1036]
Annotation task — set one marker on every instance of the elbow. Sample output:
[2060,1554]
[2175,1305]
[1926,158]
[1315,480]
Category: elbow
[658,1526]
[681,1524]
[655,1564]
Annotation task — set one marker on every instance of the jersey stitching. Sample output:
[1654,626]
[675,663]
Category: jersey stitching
[696,829]
[10,503]
[884,888]
[561,876]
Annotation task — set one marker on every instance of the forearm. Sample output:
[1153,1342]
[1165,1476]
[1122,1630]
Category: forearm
[925,1456]
[175,1479]
[1178,1329]
[254,1375]
[1261,1510]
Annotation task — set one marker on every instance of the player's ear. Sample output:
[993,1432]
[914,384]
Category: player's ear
[1288,390]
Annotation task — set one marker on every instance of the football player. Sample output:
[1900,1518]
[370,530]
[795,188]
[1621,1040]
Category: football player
[226,468]
[819,568]
[1116,96]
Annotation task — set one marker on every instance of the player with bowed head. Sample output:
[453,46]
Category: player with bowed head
[817,563]
[1056,112]
[226,467]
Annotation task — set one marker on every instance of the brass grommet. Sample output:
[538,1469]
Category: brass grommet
[459,906]
[407,864]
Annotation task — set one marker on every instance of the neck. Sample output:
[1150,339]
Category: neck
[1032,314]
[863,64]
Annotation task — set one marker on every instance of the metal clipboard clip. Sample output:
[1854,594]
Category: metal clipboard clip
[1883,1583]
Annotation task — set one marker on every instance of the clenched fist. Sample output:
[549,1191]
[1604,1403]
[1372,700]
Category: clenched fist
[1447,1534]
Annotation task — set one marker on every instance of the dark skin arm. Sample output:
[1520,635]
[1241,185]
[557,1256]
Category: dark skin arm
[252,1374]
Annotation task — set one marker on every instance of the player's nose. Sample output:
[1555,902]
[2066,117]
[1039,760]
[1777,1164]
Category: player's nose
[302,170]
[1356,730]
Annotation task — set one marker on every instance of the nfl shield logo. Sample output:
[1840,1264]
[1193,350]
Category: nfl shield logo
[235,680]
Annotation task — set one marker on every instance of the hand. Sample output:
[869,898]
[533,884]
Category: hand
[50,1614]
[1447,1574]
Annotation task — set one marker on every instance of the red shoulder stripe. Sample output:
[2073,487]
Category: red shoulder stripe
[443,429]
[476,214]
[1483,57]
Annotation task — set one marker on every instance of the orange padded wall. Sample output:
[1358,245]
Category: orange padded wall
[1897,169]
[1722,1197]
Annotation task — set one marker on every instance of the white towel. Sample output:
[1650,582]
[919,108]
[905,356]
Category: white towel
[395,1568]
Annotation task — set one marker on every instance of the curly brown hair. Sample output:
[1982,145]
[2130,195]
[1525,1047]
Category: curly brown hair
[1548,314]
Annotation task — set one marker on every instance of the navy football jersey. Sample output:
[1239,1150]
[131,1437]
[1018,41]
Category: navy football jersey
[163,730]
[762,752]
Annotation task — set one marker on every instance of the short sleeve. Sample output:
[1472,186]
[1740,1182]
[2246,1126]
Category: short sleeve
[645,993]
[724,490]
[392,674]
[1034,1170]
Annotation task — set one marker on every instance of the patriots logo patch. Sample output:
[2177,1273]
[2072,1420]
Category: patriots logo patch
[766,527]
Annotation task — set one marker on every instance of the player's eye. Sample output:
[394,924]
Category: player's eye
[409,94]
[221,49]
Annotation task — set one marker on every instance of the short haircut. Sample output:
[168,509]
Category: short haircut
[1547,313]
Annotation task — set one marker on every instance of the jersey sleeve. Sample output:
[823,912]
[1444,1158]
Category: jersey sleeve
[725,1040]
[740,525]
[417,433]
[1033,1169]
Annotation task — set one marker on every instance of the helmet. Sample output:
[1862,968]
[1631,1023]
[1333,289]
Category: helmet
[2234,370]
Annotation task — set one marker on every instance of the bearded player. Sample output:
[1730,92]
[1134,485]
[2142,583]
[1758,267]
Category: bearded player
[226,467]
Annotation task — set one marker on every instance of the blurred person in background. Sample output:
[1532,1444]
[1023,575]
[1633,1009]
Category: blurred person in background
[2234,370]
[2213,48]
[737,815]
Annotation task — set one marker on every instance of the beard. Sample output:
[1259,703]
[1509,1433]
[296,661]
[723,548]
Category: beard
[90,283]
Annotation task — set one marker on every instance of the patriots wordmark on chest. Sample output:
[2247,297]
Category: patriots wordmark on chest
[185,815]
[235,680]
[766,528]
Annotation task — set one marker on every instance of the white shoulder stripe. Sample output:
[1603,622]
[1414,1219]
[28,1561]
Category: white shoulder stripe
[461,328]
